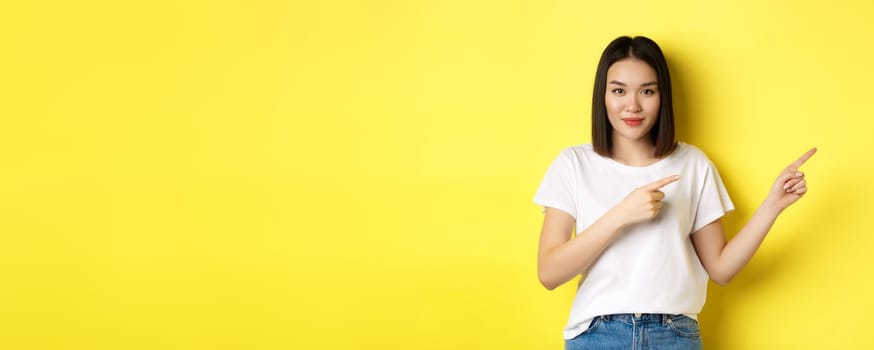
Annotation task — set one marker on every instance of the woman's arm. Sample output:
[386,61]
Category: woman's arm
[724,260]
[560,258]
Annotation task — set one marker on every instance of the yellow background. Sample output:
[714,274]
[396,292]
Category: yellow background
[333,174]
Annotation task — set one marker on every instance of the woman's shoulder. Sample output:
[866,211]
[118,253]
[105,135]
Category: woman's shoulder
[579,149]
[689,151]
[690,154]
[579,152]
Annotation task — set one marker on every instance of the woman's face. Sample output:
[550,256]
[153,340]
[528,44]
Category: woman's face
[632,100]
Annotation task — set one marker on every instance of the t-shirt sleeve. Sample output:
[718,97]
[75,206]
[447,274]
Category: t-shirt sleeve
[714,201]
[558,186]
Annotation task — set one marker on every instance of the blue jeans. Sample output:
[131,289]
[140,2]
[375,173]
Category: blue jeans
[639,332]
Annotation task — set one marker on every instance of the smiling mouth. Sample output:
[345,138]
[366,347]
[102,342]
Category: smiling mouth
[633,121]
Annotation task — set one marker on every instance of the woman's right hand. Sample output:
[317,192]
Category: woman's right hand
[644,203]
[563,255]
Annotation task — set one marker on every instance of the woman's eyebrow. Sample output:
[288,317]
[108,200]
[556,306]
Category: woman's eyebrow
[616,82]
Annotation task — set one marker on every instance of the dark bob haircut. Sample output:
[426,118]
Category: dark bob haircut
[644,49]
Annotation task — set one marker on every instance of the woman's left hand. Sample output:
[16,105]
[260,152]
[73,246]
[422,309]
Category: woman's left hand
[790,185]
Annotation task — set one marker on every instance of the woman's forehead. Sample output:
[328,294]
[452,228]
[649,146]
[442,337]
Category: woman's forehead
[631,71]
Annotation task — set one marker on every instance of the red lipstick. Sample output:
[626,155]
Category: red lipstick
[633,121]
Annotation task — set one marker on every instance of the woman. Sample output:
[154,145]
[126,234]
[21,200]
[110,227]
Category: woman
[646,212]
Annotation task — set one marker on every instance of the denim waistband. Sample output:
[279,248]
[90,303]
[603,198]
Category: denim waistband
[638,318]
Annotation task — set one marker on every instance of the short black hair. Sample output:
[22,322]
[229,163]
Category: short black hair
[644,49]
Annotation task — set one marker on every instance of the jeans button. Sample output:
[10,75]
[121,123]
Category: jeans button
[636,315]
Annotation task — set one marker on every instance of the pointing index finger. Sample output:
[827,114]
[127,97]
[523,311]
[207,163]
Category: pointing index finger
[797,164]
[663,182]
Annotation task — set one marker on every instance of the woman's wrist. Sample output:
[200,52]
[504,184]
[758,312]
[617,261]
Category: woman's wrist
[771,206]
[613,220]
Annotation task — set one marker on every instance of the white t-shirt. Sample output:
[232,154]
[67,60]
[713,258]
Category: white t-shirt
[652,266]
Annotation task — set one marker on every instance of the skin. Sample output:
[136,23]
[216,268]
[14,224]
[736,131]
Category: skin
[723,260]
[631,95]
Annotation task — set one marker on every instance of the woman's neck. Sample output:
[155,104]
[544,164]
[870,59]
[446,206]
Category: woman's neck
[638,153]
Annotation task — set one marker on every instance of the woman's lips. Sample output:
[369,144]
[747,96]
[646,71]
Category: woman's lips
[633,121]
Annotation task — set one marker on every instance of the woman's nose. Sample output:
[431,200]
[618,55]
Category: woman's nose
[633,104]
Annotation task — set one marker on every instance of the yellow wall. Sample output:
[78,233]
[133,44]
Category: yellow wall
[328,174]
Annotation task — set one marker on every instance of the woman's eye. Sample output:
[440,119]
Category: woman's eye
[618,91]
[648,92]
